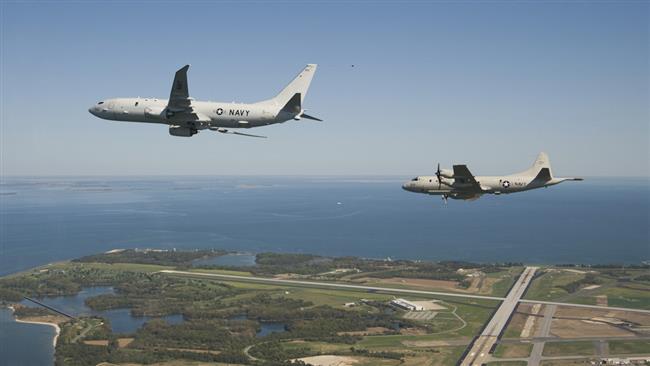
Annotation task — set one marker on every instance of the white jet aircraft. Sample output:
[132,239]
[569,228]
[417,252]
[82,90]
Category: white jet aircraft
[186,117]
[460,184]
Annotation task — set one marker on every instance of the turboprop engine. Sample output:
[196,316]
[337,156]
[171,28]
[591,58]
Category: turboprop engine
[182,131]
[446,173]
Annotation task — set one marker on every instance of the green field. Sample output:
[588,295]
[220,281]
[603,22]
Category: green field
[222,271]
[629,347]
[618,286]
[625,297]
[572,362]
[441,356]
[132,267]
[513,350]
[332,297]
[583,348]
[507,279]
[546,287]
[316,348]
[444,356]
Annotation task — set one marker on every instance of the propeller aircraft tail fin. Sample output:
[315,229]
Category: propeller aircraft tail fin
[544,175]
[541,168]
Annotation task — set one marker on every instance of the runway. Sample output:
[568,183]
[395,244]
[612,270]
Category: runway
[392,290]
[327,284]
[480,351]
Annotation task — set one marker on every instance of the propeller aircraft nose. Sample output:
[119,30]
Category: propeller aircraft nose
[408,186]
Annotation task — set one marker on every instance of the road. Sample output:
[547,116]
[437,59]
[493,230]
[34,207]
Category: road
[574,339]
[583,305]
[480,351]
[83,333]
[544,331]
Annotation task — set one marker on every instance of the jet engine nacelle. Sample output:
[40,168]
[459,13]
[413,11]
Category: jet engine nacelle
[182,131]
[446,173]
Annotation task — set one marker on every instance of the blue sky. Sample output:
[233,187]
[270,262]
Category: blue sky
[489,84]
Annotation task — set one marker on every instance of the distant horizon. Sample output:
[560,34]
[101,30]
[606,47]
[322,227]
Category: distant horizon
[432,172]
[361,216]
[228,251]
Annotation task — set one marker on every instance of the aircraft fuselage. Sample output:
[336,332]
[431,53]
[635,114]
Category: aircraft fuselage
[489,185]
[209,114]
[186,116]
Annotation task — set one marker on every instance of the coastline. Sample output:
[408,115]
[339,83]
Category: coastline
[57,329]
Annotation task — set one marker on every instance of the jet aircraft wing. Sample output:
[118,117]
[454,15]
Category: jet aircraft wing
[463,176]
[179,106]
[179,98]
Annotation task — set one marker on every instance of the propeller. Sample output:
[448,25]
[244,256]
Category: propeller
[439,181]
[226,131]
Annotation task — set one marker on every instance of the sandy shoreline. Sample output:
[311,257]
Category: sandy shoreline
[56,326]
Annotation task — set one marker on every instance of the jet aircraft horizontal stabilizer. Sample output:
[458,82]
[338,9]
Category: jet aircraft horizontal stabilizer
[294,107]
[311,117]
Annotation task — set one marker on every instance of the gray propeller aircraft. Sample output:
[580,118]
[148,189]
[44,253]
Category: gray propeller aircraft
[186,117]
[460,184]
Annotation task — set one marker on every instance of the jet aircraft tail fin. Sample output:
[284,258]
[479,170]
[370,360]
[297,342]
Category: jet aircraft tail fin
[299,86]
[294,105]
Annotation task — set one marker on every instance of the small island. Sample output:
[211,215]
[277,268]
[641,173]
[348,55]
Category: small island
[300,309]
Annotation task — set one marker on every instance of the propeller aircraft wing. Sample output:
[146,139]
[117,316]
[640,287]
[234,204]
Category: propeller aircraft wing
[463,176]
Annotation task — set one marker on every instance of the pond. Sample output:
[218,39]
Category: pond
[121,320]
[266,328]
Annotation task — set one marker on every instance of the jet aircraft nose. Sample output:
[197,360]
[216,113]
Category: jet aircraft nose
[96,108]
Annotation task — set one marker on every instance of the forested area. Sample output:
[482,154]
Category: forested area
[220,320]
[156,257]
[270,264]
